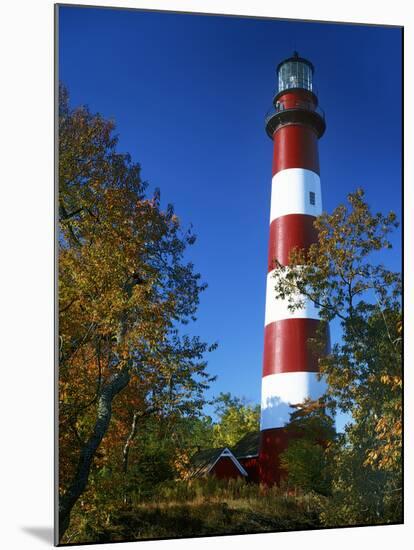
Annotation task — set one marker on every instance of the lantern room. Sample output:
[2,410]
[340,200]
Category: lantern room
[295,72]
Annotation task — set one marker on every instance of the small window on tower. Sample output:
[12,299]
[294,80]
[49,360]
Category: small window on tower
[312,197]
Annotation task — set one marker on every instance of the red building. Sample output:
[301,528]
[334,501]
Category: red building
[220,463]
[241,461]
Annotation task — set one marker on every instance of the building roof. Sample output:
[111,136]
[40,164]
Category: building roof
[248,446]
[203,461]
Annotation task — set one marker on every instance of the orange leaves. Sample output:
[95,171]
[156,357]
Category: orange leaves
[392,381]
[388,429]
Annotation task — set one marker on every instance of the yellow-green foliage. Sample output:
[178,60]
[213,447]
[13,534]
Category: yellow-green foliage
[236,418]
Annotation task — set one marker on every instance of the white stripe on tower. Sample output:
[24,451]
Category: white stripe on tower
[278,309]
[280,391]
[291,189]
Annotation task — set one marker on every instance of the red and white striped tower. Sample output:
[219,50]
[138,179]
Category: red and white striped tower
[289,368]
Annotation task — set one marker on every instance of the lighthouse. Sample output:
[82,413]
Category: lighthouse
[290,369]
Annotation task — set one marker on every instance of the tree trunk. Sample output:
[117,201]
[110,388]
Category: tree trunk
[125,452]
[116,384]
[130,439]
[132,434]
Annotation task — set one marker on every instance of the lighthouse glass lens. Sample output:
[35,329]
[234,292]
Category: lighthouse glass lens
[295,74]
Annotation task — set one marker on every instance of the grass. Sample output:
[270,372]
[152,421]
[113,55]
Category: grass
[195,508]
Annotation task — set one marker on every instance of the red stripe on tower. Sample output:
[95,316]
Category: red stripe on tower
[289,232]
[297,147]
[290,369]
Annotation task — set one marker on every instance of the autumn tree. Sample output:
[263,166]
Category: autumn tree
[343,275]
[125,290]
[235,418]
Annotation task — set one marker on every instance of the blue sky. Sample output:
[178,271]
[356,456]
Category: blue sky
[189,93]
